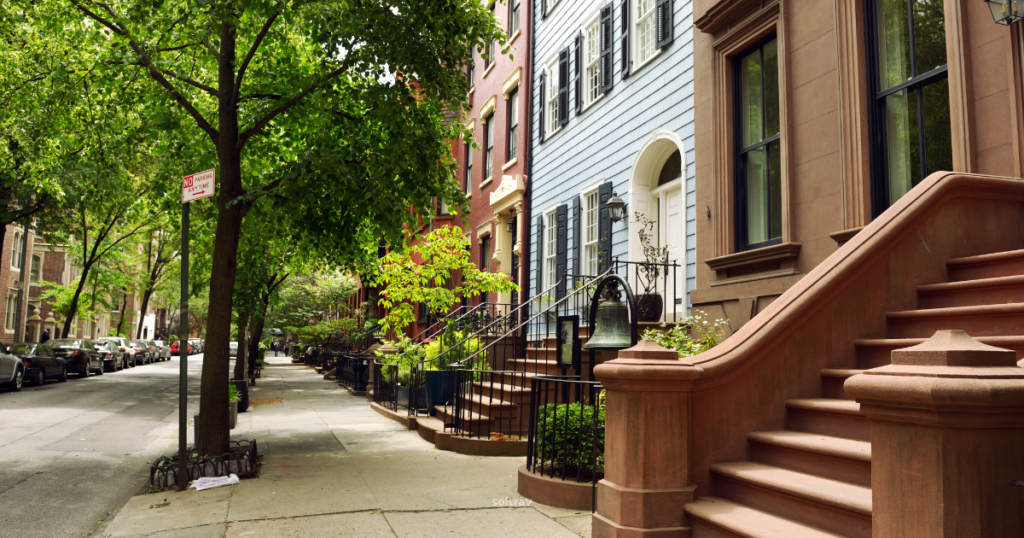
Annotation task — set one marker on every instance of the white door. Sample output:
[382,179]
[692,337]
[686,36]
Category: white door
[672,235]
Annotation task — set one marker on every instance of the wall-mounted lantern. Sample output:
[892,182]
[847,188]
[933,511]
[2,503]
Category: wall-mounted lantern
[1006,12]
[617,208]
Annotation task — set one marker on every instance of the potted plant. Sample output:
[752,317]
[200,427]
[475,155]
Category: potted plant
[439,378]
[649,304]
[404,353]
[233,398]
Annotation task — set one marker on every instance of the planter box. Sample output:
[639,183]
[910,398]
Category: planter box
[233,415]
[439,388]
[402,396]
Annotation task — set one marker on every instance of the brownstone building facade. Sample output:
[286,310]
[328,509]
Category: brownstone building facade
[813,117]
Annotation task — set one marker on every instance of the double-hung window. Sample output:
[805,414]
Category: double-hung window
[489,147]
[513,126]
[485,261]
[592,61]
[469,76]
[17,251]
[513,17]
[757,141]
[910,119]
[490,47]
[590,215]
[12,310]
[646,30]
[550,248]
[469,168]
[552,98]
[33,275]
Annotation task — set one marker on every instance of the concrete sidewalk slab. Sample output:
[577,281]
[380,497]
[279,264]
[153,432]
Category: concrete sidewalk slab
[362,525]
[148,514]
[493,523]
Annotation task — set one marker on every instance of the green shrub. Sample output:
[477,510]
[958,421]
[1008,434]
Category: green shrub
[566,431]
[233,394]
[451,340]
[679,337]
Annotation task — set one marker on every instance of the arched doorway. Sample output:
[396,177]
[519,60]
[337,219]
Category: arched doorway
[656,190]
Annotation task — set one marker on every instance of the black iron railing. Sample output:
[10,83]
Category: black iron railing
[385,383]
[488,403]
[354,371]
[566,430]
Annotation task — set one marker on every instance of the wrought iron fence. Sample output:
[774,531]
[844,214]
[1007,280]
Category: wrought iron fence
[354,371]
[385,383]
[486,403]
[566,430]
[241,460]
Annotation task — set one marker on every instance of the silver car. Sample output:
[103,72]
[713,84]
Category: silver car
[12,370]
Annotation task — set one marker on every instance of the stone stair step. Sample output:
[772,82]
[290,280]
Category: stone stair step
[832,380]
[830,505]
[447,415]
[536,366]
[987,320]
[828,416]
[836,458]
[872,353]
[984,291]
[997,264]
[714,517]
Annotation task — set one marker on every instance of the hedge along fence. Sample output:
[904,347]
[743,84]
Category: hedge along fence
[566,428]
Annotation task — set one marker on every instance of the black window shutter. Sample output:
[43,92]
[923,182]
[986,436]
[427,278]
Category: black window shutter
[541,285]
[606,49]
[578,60]
[625,39]
[543,104]
[563,86]
[561,249]
[664,23]
[543,8]
[604,228]
[577,239]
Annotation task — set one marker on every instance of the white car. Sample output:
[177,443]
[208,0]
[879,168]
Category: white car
[233,349]
[163,349]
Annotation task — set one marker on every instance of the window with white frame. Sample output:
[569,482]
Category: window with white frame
[592,60]
[469,168]
[590,214]
[552,98]
[489,147]
[513,126]
[12,309]
[551,231]
[17,251]
[33,275]
[646,30]
[513,17]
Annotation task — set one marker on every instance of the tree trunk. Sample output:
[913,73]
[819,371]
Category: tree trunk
[142,313]
[74,301]
[120,321]
[240,363]
[213,431]
[257,335]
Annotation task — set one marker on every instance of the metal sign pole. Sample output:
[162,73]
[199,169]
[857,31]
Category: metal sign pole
[183,351]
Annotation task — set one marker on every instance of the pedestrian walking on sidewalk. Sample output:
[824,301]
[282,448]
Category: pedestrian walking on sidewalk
[274,347]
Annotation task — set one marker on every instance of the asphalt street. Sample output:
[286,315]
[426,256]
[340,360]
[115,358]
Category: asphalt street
[71,453]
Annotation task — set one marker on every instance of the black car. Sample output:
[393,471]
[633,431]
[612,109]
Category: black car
[111,356]
[40,362]
[83,358]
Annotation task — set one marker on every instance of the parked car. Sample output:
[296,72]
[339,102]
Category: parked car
[82,357]
[164,348]
[40,362]
[142,355]
[233,349]
[194,344]
[176,348]
[121,344]
[12,370]
[113,359]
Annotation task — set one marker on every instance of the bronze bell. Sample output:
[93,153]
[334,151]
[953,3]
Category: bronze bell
[613,329]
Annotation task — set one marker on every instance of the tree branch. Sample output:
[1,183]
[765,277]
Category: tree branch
[252,52]
[97,18]
[290,103]
[208,89]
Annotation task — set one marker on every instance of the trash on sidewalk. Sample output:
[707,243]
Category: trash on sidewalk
[208,482]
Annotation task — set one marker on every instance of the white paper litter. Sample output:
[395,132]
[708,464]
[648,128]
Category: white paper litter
[208,482]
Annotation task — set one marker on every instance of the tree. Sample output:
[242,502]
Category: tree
[335,111]
[422,274]
[160,249]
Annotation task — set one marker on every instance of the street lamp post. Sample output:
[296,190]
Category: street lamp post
[1006,12]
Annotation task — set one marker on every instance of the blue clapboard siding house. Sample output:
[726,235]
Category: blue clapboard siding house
[612,113]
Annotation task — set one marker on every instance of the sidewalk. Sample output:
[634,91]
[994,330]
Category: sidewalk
[333,467]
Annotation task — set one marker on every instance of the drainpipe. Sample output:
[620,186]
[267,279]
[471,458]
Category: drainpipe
[526,216]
